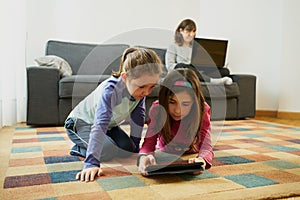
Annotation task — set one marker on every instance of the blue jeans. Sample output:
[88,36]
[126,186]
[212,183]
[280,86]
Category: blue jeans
[116,144]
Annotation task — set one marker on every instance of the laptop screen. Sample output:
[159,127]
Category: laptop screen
[209,52]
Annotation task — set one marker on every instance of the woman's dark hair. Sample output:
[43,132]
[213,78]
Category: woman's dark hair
[186,24]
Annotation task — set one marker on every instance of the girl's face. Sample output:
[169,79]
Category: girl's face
[180,105]
[140,87]
[187,35]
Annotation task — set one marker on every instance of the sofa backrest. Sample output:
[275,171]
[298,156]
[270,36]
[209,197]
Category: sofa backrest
[88,59]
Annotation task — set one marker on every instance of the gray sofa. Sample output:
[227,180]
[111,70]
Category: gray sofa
[51,97]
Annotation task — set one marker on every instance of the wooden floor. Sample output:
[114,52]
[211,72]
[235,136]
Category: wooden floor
[293,122]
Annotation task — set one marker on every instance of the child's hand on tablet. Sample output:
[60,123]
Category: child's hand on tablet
[144,161]
[199,159]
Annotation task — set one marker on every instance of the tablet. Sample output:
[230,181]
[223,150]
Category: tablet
[173,168]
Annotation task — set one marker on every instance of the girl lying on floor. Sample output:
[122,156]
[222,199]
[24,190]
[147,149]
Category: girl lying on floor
[179,121]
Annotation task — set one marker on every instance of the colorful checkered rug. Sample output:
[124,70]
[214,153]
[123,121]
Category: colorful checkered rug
[253,160]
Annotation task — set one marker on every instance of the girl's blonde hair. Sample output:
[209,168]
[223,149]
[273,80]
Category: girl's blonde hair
[189,82]
[136,61]
[186,24]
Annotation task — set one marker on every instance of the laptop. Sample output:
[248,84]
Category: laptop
[209,53]
[174,168]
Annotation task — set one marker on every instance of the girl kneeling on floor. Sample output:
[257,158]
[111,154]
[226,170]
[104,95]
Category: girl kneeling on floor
[93,125]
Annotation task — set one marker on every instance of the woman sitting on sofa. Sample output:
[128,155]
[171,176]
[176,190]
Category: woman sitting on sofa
[179,54]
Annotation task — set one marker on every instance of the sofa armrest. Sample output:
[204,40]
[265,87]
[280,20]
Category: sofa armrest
[42,95]
[247,98]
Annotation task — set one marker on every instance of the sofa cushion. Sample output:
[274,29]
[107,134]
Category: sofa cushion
[219,90]
[88,59]
[79,85]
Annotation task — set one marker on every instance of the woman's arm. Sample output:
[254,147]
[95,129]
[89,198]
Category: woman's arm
[171,57]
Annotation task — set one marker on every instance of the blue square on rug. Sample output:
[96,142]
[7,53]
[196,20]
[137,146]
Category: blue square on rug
[251,180]
[49,139]
[122,182]
[47,132]
[233,159]
[26,149]
[282,148]
[65,176]
[60,159]
[205,175]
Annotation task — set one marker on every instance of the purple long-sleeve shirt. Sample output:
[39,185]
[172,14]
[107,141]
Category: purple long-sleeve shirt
[109,105]
[153,140]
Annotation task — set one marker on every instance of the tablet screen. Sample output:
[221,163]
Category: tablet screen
[174,168]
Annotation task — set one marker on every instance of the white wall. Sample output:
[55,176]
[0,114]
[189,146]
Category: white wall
[290,66]
[12,66]
[253,29]
[97,21]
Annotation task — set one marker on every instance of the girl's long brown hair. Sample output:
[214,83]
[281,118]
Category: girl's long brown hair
[194,119]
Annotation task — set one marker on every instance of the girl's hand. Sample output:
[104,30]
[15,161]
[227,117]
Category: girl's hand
[89,174]
[199,159]
[145,161]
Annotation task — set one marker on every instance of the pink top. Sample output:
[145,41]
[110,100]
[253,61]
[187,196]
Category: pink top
[153,140]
